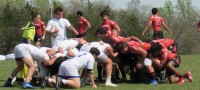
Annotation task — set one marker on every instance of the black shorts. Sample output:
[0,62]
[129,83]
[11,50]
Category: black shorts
[37,38]
[128,59]
[158,35]
[176,62]
[83,35]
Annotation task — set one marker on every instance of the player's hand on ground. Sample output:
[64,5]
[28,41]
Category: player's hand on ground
[94,86]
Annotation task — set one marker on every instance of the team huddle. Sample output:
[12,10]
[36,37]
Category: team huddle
[70,62]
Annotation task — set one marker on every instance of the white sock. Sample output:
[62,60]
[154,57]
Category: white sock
[65,81]
[108,79]
[50,80]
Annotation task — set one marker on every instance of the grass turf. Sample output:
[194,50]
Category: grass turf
[189,62]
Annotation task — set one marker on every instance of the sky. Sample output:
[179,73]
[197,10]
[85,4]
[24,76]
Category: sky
[122,4]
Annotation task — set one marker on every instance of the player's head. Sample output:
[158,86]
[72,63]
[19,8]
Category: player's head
[79,13]
[156,48]
[154,11]
[58,12]
[101,32]
[121,47]
[110,41]
[95,52]
[104,14]
[35,16]
[79,46]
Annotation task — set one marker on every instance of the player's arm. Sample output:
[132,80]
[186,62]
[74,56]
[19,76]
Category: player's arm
[44,31]
[91,77]
[140,52]
[72,29]
[117,28]
[134,39]
[88,26]
[110,52]
[146,28]
[70,53]
[50,62]
[157,63]
[60,49]
[165,26]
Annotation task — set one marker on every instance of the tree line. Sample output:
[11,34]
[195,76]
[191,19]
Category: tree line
[181,19]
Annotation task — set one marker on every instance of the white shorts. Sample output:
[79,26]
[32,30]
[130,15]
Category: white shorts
[101,58]
[21,52]
[68,70]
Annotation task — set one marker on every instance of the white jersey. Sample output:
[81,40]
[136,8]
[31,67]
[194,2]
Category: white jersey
[68,43]
[104,46]
[44,49]
[27,50]
[61,25]
[88,46]
[74,50]
[83,60]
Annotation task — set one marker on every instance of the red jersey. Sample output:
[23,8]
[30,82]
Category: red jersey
[82,22]
[108,24]
[166,55]
[116,37]
[39,27]
[137,44]
[198,24]
[165,42]
[156,22]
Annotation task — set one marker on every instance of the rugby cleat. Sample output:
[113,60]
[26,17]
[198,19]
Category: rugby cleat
[181,81]
[189,76]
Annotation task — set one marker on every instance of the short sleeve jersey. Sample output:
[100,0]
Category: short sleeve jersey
[108,25]
[82,22]
[165,42]
[84,60]
[137,44]
[156,22]
[166,55]
[38,27]
[61,25]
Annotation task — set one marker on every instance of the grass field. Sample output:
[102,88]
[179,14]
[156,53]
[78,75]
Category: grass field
[189,62]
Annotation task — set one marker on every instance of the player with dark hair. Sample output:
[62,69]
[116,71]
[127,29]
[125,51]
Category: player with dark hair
[162,58]
[156,22]
[83,25]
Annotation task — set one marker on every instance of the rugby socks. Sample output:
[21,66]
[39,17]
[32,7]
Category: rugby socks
[99,70]
[185,76]
[64,81]
[152,75]
[180,76]
[108,79]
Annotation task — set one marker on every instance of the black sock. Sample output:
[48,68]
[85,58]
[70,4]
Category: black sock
[99,70]
[185,76]
[153,75]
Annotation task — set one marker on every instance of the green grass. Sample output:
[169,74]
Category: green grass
[189,62]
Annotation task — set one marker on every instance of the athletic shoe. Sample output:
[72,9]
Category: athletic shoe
[181,81]
[27,85]
[189,76]
[109,84]
[44,82]
[153,82]
[8,83]
[58,83]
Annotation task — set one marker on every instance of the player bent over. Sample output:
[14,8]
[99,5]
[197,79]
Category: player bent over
[27,54]
[162,57]
[68,71]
